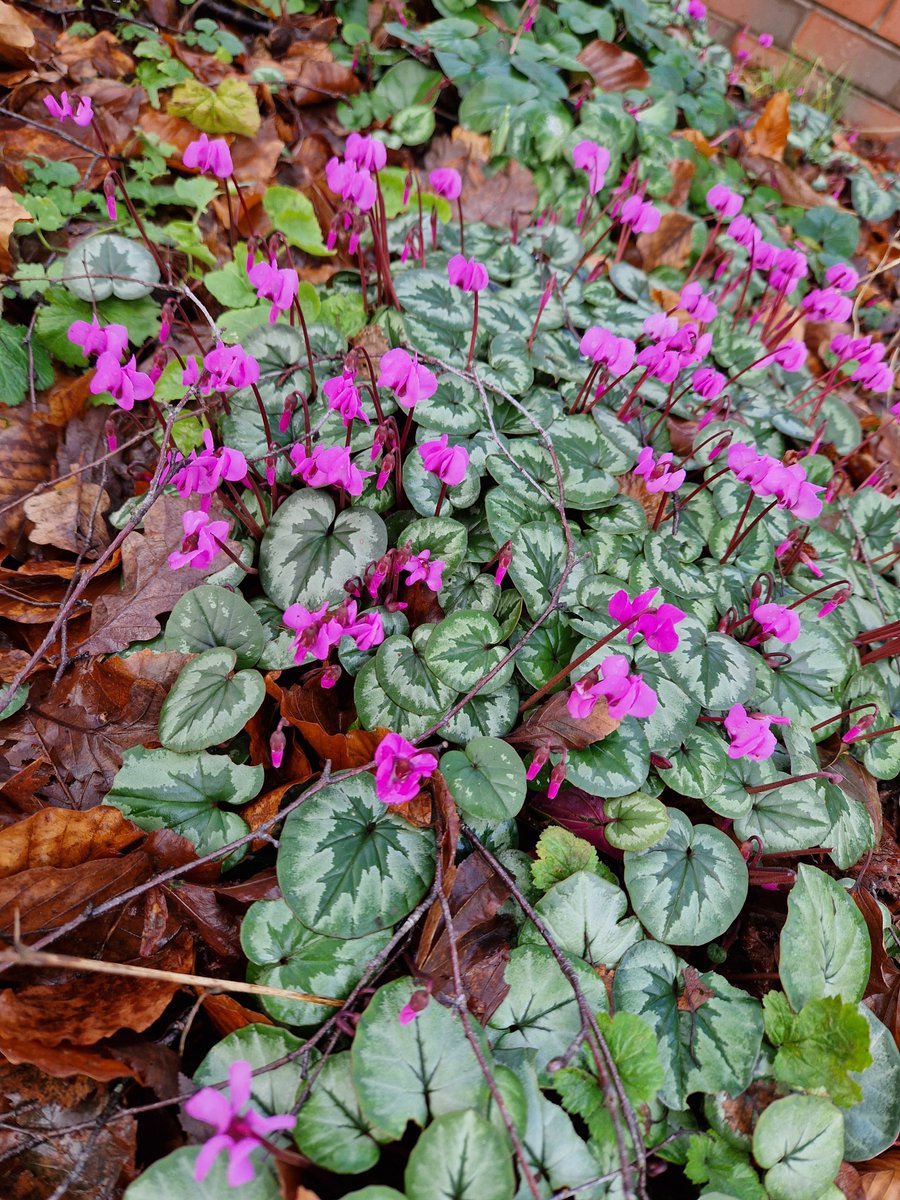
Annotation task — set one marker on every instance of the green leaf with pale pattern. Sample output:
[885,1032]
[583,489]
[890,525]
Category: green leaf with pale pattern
[711,667]
[689,887]
[825,948]
[309,550]
[209,702]
[331,1131]
[206,617]
[463,649]
[460,1155]
[586,915]
[348,866]
[487,779]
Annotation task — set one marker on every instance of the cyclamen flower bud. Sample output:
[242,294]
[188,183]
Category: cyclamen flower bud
[277,744]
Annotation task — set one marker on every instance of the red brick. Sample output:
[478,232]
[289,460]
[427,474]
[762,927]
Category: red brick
[870,117]
[889,29]
[778,17]
[861,12]
[856,58]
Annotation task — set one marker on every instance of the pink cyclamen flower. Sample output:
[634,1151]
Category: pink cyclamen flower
[842,276]
[708,383]
[777,620]
[354,184]
[400,768]
[658,628]
[95,338]
[280,285]
[790,488]
[209,157]
[724,202]
[694,300]
[876,376]
[343,396]
[230,367]
[659,475]
[790,355]
[62,109]
[659,327]
[191,373]
[239,1129]
[446,182]
[421,570]
[416,1004]
[840,597]
[744,231]
[329,466]
[748,465]
[468,274]
[826,304]
[640,215]
[315,632]
[622,608]
[449,463]
[199,546]
[594,159]
[626,695]
[365,152]
[124,383]
[204,471]
[750,734]
[696,10]
[406,377]
[660,362]
[601,346]
[765,40]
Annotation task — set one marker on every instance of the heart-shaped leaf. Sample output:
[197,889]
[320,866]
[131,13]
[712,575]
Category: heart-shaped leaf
[586,915]
[487,779]
[874,1124]
[285,954]
[799,1142]
[412,1072]
[332,1132]
[207,617]
[825,948]
[272,1091]
[210,702]
[460,1155]
[711,667]
[689,887]
[401,671]
[348,866]
[463,649]
[175,1175]
[158,789]
[110,265]
[309,551]
[637,821]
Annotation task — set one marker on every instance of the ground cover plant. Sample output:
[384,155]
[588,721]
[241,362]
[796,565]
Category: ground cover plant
[450,611]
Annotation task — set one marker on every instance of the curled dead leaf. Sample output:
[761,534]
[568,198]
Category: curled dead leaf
[70,517]
[612,68]
[669,245]
[769,134]
[16,36]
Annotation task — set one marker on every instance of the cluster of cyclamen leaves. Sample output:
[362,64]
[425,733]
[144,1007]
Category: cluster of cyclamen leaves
[497,491]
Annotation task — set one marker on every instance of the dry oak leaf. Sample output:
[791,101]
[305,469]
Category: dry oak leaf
[612,68]
[27,449]
[70,517]
[769,134]
[149,587]
[65,1060]
[790,184]
[669,245]
[552,724]
[63,838]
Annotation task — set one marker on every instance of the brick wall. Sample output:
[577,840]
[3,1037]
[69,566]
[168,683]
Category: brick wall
[858,39]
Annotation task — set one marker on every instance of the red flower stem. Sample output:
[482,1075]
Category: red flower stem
[845,712]
[234,558]
[243,204]
[379,412]
[779,783]
[440,500]
[826,587]
[313,386]
[661,507]
[551,683]
[713,234]
[697,490]
[738,536]
[474,333]
[624,409]
[235,505]
[587,254]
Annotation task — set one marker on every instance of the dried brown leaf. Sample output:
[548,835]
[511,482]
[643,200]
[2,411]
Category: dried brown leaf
[228,1015]
[669,245]
[790,184]
[612,68]
[27,448]
[61,838]
[769,135]
[16,36]
[70,517]
[493,198]
[880,1177]
[551,724]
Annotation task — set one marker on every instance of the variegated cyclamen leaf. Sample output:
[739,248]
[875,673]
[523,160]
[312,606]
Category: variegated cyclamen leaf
[615,766]
[404,676]
[586,915]
[412,1072]
[799,1142]
[176,1175]
[698,764]
[285,954]
[376,710]
[793,817]
[538,561]
[463,649]
[487,779]
[110,265]
[309,552]
[712,1047]
[445,538]
[207,617]
[874,1124]
[159,789]
[348,866]
[637,821]
[689,887]
[461,1155]
[209,702]
[711,667]
[332,1132]
[273,1091]
[484,716]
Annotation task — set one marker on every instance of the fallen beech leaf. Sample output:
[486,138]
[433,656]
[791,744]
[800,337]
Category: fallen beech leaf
[353,749]
[682,172]
[791,186]
[669,245]
[27,449]
[98,56]
[10,212]
[612,68]
[70,517]
[227,1015]
[696,138]
[880,1177]
[16,36]
[62,838]
[769,134]
[65,1060]
[149,587]
[550,723]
